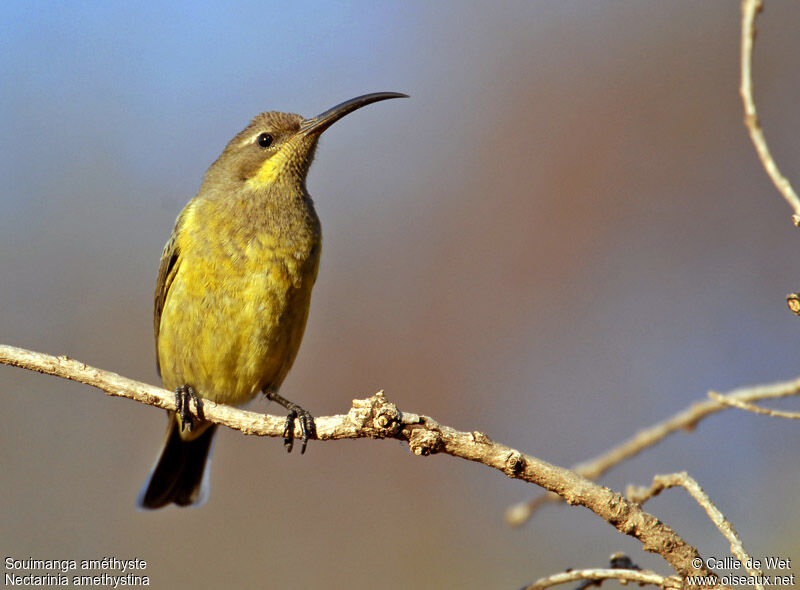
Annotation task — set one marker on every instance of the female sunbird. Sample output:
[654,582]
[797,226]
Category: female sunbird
[234,288]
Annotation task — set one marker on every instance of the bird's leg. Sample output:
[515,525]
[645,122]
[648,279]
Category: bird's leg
[182,396]
[307,427]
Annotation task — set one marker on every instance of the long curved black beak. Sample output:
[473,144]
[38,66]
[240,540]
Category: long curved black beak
[324,120]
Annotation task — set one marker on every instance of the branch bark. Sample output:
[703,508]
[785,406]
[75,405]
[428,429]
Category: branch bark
[378,418]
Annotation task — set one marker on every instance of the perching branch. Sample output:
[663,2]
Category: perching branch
[376,417]
[750,8]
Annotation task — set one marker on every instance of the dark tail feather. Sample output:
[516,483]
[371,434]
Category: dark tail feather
[177,476]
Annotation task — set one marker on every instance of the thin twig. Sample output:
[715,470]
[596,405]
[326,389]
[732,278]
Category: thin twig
[752,407]
[639,576]
[376,417]
[682,479]
[750,8]
[685,420]
[519,513]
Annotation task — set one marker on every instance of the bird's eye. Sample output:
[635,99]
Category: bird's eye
[264,140]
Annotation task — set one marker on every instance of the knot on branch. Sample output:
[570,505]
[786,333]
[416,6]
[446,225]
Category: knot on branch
[378,413]
[480,438]
[514,464]
[424,442]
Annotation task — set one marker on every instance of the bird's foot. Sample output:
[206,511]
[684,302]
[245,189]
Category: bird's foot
[308,428]
[182,396]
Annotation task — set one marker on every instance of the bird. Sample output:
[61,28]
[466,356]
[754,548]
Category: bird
[234,289]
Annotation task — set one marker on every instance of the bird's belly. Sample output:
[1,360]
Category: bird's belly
[231,334]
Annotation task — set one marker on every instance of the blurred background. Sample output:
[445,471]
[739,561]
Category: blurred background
[563,236]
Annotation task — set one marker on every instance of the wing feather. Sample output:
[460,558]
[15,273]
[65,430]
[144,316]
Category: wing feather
[170,261]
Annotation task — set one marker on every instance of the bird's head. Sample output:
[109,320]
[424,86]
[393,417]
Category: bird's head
[277,148]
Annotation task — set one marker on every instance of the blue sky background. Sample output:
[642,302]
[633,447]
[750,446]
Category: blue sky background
[562,237]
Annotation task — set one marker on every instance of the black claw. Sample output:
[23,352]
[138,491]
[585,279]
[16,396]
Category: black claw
[288,431]
[198,404]
[182,396]
[307,427]
[178,401]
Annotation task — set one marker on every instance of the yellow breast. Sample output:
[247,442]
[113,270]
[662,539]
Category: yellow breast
[235,313]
